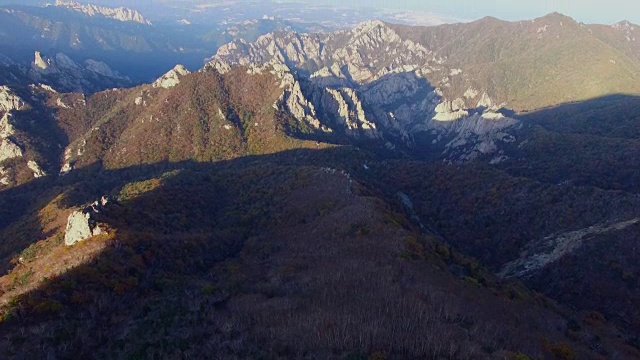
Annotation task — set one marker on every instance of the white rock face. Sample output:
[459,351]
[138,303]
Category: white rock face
[485,101]
[4,177]
[6,128]
[67,74]
[368,52]
[473,136]
[172,77]
[121,13]
[61,104]
[81,224]
[47,88]
[490,115]
[40,63]
[9,100]
[9,150]
[78,228]
[370,81]
[450,110]
[101,68]
[450,116]
[540,254]
[471,93]
[361,80]
[66,168]
[351,112]
[300,107]
[37,171]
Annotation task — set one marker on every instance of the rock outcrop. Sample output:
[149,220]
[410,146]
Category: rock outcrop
[81,224]
[476,135]
[40,63]
[9,150]
[450,110]
[350,111]
[9,100]
[78,228]
[172,77]
[4,177]
[371,83]
[65,74]
[6,127]
[35,168]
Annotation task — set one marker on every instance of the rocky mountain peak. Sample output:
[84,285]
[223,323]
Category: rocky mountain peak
[9,100]
[490,19]
[625,25]
[172,77]
[556,15]
[360,84]
[40,62]
[65,74]
[368,26]
[121,13]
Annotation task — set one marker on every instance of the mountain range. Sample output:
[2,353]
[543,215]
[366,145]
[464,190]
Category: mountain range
[462,191]
[121,38]
[121,13]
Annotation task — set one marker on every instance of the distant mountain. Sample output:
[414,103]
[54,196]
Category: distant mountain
[523,65]
[139,51]
[134,48]
[528,65]
[121,13]
[387,82]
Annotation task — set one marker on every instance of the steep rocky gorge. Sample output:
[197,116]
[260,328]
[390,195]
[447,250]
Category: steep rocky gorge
[370,84]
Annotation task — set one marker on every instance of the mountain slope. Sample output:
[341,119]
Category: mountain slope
[574,243]
[530,64]
[360,281]
[224,117]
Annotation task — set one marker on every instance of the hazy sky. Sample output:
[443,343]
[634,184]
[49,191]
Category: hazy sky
[589,11]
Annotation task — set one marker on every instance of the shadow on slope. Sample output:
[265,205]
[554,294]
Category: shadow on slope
[273,256]
[591,143]
[612,116]
[87,184]
[498,218]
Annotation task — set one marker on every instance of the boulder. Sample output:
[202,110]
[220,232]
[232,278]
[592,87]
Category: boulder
[78,228]
[81,224]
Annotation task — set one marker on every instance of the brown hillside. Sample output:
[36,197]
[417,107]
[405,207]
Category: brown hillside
[254,259]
